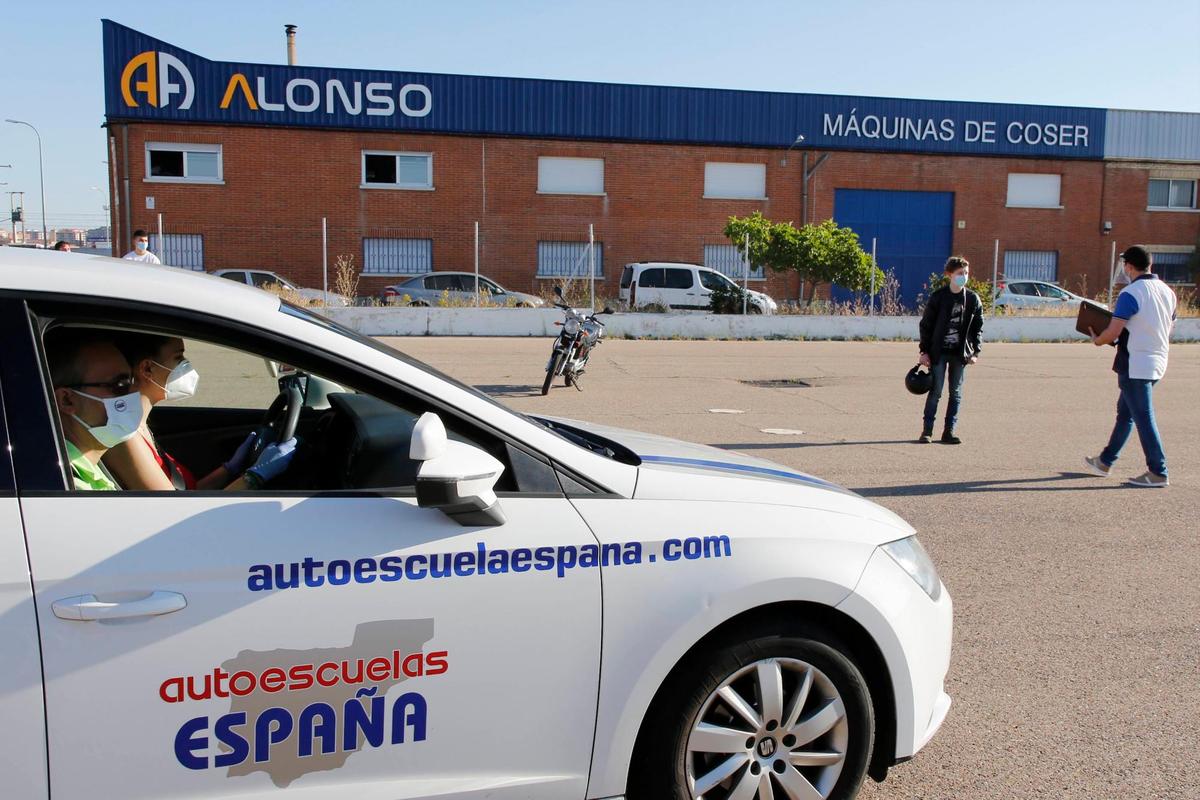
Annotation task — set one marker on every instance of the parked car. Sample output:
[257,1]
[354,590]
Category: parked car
[428,289]
[683,287]
[264,279]
[1035,294]
[427,560]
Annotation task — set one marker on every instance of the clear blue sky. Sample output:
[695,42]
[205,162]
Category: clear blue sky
[1141,55]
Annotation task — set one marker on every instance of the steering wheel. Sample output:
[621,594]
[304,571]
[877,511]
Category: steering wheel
[278,423]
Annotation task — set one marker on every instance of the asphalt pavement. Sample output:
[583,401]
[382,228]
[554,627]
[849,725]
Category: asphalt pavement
[1077,600]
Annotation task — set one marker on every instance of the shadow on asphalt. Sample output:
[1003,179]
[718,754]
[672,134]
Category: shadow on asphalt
[508,390]
[1012,485]
[789,445]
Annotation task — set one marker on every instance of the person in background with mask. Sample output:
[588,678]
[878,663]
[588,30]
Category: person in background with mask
[950,340]
[162,372]
[97,404]
[1143,316]
[141,251]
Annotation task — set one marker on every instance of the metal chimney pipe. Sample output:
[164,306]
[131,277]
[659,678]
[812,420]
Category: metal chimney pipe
[291,44]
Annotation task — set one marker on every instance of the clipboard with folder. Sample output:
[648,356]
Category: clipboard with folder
[1092,316]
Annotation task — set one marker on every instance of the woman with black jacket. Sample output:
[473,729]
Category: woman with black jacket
[950,331]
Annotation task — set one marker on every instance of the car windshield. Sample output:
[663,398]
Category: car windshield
[588,442]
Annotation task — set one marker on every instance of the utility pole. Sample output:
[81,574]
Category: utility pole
[41,177]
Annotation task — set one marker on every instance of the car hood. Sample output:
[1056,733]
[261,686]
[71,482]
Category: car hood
[671,469]
[521,297]
[317,295]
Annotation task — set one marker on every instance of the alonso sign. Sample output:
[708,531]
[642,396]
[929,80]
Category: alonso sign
[148,79]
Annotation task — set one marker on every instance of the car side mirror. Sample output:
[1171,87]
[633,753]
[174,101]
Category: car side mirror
[454,477]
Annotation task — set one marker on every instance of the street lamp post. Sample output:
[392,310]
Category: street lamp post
[41,177]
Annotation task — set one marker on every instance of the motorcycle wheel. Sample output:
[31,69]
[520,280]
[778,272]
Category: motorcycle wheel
[555,366]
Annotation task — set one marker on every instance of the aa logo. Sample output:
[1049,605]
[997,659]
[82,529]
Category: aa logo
[154,75]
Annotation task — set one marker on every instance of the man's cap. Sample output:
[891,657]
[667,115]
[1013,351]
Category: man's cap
[1137,257]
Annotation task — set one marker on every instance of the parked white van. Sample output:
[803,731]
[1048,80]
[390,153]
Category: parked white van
[680,287]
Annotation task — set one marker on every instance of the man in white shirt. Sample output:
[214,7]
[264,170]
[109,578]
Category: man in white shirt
[140,251]
[1142,319]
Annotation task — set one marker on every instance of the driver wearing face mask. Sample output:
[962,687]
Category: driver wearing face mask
[161,372]
[96,401]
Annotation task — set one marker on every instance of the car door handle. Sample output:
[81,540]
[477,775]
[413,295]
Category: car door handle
[86,608]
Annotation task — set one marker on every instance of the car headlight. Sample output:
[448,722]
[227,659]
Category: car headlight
[913,559]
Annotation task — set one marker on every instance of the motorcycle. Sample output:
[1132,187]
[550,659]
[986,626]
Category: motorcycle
[579,336]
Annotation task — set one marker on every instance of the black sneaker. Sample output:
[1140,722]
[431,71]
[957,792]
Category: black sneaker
[948,437]
[925,437]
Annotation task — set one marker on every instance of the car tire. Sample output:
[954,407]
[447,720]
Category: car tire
[700,711]
[552,371]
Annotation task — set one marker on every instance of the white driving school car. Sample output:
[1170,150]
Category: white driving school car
[438,598]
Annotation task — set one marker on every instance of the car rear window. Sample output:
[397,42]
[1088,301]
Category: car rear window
[652,278]
[626,277]
[679,279]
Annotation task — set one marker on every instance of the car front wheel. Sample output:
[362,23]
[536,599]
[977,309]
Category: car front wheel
[772,717]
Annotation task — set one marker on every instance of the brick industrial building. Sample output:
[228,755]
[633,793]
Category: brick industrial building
[281,167]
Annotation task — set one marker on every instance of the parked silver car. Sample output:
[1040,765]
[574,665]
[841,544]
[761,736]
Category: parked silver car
[264,279]
[1035,294]
[428,290]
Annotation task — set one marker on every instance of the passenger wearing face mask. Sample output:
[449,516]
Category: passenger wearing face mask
[161,372]
[97,404]
[141,249]
[950,340]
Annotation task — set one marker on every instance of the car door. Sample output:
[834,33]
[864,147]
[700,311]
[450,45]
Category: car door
[348,643]
[709,282]
[650,287]
[679,287]
[23,757]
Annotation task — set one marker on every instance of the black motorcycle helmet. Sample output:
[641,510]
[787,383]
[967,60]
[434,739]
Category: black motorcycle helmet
[918,381]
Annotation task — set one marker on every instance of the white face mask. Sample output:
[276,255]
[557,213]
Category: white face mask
[181,382]
[124,417]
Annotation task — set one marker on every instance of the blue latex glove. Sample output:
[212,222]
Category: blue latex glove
[274,460]
[238,460]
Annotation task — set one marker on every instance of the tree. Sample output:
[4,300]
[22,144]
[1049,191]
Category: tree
[823,253]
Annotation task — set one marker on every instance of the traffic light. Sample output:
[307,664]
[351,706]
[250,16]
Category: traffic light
[18,215]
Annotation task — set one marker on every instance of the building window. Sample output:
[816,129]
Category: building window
[1034,191]
[397,256]
[184,250]
[570,175]
[1031,265]
[735,181]
[1172,194]
[1172,267]
[567,260]
[170,162]
[726,259]
[388,170]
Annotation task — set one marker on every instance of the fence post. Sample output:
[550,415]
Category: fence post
[592,262]
[162,242]
[325,257]
[874,266]
[995,267]
[746,276]
[477,263]
[1112,273]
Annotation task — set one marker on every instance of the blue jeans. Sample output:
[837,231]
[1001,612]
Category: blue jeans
[938,370]
[1135,406]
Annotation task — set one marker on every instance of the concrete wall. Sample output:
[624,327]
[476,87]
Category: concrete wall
[540,322]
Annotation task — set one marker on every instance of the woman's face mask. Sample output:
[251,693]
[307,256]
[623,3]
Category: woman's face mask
[124,417]
[181,380]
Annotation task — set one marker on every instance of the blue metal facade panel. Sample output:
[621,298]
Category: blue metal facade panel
[573,110]
[914,232]
[1154,135]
